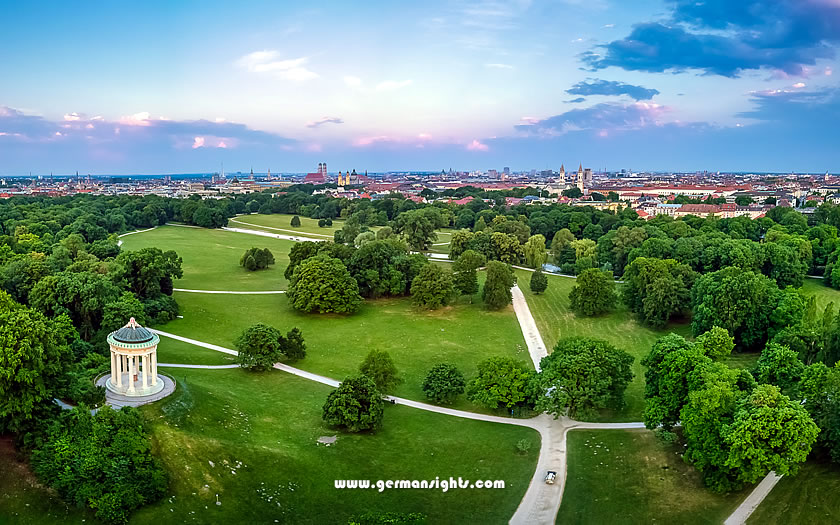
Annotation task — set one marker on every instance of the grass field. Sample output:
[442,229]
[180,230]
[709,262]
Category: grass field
[824,293]
[250,439]
[629,477]
[555,319]
[808,497]
[211,257]
[462,334]
[24,501]
[282,223]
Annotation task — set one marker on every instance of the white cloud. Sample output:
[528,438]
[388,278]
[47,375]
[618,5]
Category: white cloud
[390,85]
[270,62]
[351,81]
[477,146]
[138,119]
[499,66]
[198,143]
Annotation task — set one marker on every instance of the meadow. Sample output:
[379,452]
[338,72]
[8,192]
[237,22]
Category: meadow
[211,257]
[630,477]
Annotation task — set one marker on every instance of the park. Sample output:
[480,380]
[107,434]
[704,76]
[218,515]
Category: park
[251,446]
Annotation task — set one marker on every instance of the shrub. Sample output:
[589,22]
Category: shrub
[295,222]
[355,405]
[380,368]
[444,383]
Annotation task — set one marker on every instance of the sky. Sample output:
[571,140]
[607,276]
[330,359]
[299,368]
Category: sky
[184,87]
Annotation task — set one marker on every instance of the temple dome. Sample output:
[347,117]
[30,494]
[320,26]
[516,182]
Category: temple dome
[132,333]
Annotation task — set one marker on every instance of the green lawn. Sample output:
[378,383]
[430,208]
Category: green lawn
[282,222]
[630,477]
[555,319]
[251,440]
[462,334]
[824,293]
[24,501]
[808,497]
[211,257]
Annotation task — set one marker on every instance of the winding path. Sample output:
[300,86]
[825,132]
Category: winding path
[272,235]
[541,502]
[327,237]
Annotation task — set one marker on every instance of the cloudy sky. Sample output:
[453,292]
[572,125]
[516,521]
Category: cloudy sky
[169,87]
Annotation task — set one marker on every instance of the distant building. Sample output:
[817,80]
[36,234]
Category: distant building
[319,177]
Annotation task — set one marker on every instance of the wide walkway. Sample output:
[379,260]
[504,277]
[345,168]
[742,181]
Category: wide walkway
[296,238]
[533,339]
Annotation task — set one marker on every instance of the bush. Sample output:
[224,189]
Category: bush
[103,462]
[295,222]
[523,446]
[444,383]
[355,405]
[322,223]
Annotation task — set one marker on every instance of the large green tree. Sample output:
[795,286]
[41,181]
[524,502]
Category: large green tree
[323,284]
[443,383]
[500,279]
[432,288]
[581,376]
[34,353]
[355,405]
[657,290]
[501,382]
[593,293]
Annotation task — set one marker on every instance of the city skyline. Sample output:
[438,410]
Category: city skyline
[661,85]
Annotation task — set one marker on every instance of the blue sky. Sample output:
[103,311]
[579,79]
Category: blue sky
[165,87]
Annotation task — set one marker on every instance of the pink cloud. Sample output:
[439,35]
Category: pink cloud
[198,143]
[475,145]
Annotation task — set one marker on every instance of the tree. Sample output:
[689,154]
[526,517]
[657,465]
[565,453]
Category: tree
[33,354]
[293,345]
[670,376]
[581,376]
[743,200]
[539,282]
[769,433]
[323,284]
[418,228]
[572,193]
[716,343]
[593,293]
[657,290]
[256,259]
[81,295]
[501,382]
[465,279]
[748,305]
[259,347]
[117,313]
[505,247]
[496,293]
[355,405]
[101,461]
[380,368]
[444,383]
[432,288]
[535,254]
[820,390]
[300,252]
[778,365]
[149,272]
[295,222]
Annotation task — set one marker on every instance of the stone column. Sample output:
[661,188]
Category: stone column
[120,367]
[113,369]
[153,355]
[132,368]
[144,360]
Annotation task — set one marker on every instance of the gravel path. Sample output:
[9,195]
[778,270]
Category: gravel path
[533,339]
[272,235]
[327,237]
[748,506]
